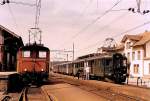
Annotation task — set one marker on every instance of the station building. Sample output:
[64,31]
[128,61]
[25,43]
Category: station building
[9,45]
[137,50]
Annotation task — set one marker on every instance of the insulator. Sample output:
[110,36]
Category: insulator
[144,12]
[8,1]
[3,2]
[133,10]
[147,11]
[129,9]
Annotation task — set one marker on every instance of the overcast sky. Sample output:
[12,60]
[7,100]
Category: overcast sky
[65,21]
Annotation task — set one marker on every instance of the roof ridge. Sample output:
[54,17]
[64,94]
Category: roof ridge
[11,32]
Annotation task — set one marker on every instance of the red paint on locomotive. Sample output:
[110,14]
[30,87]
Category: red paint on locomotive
[33,59]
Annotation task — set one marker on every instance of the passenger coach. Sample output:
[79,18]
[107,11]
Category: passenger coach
[105,66]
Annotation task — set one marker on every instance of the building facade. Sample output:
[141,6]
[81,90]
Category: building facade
[9,45]
[137,50]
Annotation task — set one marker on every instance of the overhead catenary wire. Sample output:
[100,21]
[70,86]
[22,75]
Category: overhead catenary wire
[81,15]
[93,22]
[23,3]
[20,3]
[37,16]
[115,20]
[117,35]
[86,7]
[13,17]
[105,26]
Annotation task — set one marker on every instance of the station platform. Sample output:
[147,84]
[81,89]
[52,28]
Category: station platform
[139,92]
[142,82]
[9,81]
[4,75]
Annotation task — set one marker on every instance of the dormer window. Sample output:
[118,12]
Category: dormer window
[128,45]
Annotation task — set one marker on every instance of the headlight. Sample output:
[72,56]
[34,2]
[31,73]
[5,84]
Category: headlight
[25,69]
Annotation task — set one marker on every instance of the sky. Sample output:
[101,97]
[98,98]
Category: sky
[86,23]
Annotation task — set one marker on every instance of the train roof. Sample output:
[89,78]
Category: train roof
[34,47]
[93,58]
[101,56]
[86,59]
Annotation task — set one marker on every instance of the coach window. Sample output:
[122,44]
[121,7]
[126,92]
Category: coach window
[108,62]
[42,54]
[26,54]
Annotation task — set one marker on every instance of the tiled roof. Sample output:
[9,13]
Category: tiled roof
[145,38]
[131,37]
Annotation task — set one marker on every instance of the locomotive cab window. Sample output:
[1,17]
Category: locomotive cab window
[26,53]
[42,54]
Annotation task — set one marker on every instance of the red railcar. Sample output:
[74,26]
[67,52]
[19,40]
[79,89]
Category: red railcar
[33,63]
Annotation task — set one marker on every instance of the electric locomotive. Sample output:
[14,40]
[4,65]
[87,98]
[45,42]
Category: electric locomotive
[33,63]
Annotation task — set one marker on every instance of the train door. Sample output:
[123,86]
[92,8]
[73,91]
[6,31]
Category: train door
[91,65]
[108,67]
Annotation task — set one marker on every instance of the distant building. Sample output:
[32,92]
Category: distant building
[118,48]
[9,45]
[137,50]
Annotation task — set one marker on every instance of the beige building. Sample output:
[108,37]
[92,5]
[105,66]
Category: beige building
[137,50]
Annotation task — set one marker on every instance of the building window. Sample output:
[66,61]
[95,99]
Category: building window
[139,55]
[128,45]
[133,55]
[136,68]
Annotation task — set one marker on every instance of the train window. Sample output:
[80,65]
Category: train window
[26,53]
[42,54]
[108,62]
[124,62]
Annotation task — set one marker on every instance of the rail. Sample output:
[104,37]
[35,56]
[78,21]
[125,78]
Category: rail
[6,98]
[23,95]
[30,92]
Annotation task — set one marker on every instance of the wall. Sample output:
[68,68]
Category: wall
[146,67]
[136,60]
[148,49]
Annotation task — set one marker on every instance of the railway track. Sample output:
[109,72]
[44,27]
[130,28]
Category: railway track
[33,94]
[109,95]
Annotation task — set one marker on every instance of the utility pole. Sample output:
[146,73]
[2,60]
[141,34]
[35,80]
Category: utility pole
[138,5]
[29,37]
[63,51]
[67,56]
[73,53]
[36,31]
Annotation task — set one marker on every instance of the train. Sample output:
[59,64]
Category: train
[110,67]
[33,63]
